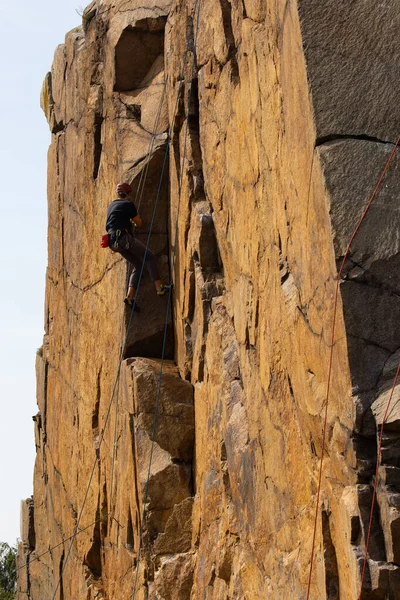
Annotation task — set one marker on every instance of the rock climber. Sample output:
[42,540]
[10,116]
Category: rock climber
[120,214]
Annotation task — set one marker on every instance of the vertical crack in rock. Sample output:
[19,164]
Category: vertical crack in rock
[93,557]
[331,567]
[226,477]
[226,8]
[28,577]
[146,335]
[98,146]
[96,409]
[178,127]
[196,165]
[104,514]
[205,276]
[31,525]
[130,539]
[61,567]
[366,454]
[138,519]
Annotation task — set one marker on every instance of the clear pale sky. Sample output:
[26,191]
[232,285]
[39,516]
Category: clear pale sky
[29,33]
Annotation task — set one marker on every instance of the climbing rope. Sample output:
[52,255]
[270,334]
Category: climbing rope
[370,201]
[378,464]
[114,454]
[138,200]
[196,18]
[156,409]
[81,530]
[122,353]
[144,171]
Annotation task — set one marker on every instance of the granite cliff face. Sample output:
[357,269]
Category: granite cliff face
[279,117]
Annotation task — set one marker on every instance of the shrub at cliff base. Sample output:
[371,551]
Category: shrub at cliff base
[8,572]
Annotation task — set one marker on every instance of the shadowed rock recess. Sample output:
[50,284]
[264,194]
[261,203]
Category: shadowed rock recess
[286,116]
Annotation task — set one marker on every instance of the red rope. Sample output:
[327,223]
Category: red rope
[378,462]
[370,201]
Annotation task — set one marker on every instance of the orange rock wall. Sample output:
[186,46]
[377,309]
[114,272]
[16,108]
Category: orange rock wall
[267,177]
[261,346]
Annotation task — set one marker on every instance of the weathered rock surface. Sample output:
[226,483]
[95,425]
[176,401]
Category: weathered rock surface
[278,127]
[350,56]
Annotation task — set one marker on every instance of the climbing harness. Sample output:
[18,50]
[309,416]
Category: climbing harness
[117,242]
[105,239]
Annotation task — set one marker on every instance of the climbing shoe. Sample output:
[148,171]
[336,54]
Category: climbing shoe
[131,302]
[163,290]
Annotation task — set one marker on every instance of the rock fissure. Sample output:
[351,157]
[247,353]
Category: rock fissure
[373,283]
[90,286]
[61,568]
[374,343]
[331,138]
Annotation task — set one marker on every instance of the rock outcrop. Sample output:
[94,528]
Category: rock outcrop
[253,133]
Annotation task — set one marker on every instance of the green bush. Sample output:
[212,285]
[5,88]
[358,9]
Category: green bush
[8,571]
